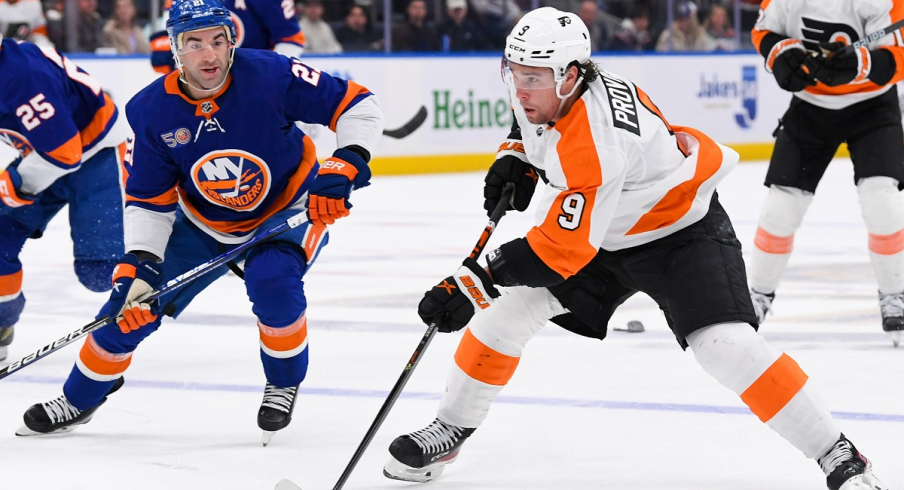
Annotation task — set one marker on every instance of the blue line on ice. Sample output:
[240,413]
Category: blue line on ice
[512,400]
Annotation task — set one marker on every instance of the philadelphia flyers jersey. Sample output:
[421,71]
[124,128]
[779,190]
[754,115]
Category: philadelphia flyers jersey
[815,21]
[53,112]
[619,175]
[234,159]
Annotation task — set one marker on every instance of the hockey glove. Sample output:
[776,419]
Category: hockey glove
[511,165]
[791,65]
[452,303]
[132,280]
[329,193]
[10,195]
[840,67]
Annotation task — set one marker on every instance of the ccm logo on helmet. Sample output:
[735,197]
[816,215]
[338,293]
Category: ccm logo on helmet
[475,292]
[516,48]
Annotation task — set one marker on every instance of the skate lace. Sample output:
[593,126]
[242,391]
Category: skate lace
[842,451]
[436,437]
[279,398]
[60,410]
[891,304]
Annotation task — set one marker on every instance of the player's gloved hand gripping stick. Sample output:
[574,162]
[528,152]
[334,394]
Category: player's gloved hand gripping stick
[171,285]
[495,216]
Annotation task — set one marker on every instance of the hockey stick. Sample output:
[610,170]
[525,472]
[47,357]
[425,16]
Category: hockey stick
[409,127]
[171,285]
[495,216]
[863,41]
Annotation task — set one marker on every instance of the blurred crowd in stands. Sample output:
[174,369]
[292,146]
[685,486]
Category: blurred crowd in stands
[337,26]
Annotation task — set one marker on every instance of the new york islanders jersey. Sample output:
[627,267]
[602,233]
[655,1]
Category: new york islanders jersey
[236,158]
[54,113]
[815,21]
[259,24]
[619,175]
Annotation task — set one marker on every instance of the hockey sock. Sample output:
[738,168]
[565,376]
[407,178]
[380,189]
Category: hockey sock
[490,350]
[95,371]
[780,217]
[769,382]
[883,212]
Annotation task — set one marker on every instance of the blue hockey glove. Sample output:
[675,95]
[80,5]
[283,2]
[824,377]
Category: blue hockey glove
[133,280]
[329,193]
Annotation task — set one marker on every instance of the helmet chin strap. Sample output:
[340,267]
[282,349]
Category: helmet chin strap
[564,98]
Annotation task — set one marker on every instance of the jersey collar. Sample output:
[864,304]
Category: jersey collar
[206,107]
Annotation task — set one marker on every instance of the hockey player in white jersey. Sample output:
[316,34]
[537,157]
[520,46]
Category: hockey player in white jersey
[629,205]
[846,96]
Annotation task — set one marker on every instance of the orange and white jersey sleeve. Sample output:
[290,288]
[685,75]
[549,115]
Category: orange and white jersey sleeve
[618,176]
[24,17]
[816,21]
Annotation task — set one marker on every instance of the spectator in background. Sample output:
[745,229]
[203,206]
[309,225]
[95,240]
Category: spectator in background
[89,34]
[123,32]
[686,33]
[23,20]
[416,33]
[318,35]
[720,30]
[634,33]
[458,32]
[54,15]
[589,13]
[497,17]
[356,34]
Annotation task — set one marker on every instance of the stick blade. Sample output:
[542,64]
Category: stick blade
[409,127]
[287,485]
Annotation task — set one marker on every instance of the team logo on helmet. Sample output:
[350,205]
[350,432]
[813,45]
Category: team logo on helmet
[232,179]
[16,141]
[564,20]
[239,29]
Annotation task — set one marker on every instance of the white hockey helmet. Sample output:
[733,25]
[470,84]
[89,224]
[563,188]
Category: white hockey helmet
[548,37]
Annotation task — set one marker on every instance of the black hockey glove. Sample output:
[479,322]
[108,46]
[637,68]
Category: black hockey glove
[452,302]
[791,65]
[511,165]
[840,67]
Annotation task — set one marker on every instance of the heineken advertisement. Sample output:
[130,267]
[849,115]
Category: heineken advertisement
[453,109]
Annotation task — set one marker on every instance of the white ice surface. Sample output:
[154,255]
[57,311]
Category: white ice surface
[628,413]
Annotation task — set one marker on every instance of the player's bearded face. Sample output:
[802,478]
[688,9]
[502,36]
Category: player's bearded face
[535,89]
[205,57]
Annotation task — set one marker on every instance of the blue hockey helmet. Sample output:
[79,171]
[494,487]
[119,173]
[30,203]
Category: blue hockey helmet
[193,15]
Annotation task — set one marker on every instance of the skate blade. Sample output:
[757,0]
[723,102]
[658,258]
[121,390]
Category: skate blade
[26,432]
[267,436]
[398,471]
[287,485]
[895,338]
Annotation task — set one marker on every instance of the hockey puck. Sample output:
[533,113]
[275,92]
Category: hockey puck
[634,326]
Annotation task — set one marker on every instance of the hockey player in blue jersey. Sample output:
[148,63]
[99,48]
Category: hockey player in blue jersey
[218,157]
[69,137]
[259,24]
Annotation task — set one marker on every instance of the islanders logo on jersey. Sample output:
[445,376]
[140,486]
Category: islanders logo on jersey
[16,141]
[232,179]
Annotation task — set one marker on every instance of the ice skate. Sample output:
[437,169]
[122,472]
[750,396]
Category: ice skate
[6,338]
[892,306]
[58,415]
[276,410]
[847,469]
[762,304]
[422,455]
